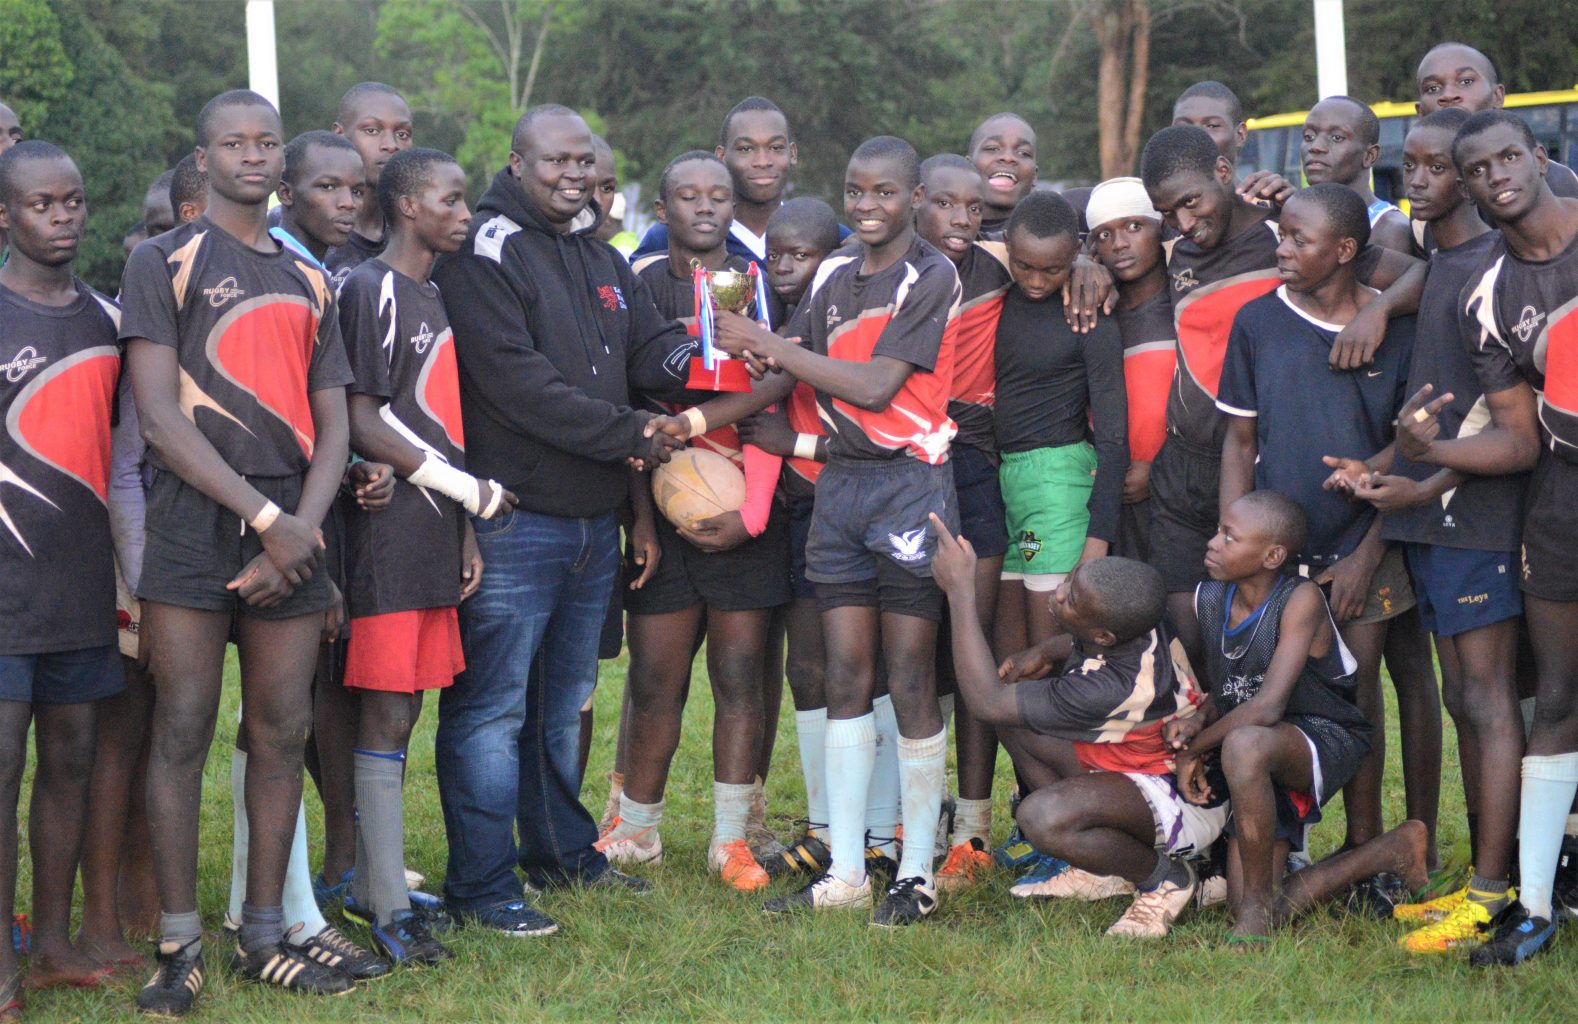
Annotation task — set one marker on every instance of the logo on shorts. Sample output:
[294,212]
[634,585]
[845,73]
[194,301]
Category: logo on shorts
[422,338]
[909,546]
[223,292]
[1528,322]
[23,363]
[1184,280]
[1029,545]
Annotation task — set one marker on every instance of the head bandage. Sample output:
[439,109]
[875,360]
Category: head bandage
[1118,198]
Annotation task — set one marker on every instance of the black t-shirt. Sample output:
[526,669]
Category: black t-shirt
[1520,321]
[1277,373]
[984,278]
[342,259]
[397,336]
[1486,512]
[908,311]
[58,371]
[1056,387]
[255,334]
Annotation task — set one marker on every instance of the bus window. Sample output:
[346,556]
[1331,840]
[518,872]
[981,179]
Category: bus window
[1387,174]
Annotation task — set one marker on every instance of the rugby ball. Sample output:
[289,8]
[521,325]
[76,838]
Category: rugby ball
[697,484]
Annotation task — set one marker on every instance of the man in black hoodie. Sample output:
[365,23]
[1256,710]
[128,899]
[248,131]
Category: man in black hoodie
[553,333]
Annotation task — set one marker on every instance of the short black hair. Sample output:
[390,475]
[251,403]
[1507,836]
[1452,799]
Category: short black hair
[1128,595]
[810,218]
[1279,515]
[1043,214]
[162,182]
[344,114]
[25,151]
[751,104]
[541,110]
[948,161]
[188,184]
[1490,65]
[980,129]
[1178,149]
[1484,121]
[685,158]
[599,144]
[1214,91]
[407,173]
[1367,126]
[1344,210]
[1451,119]
[296,151]
[894,149]
[224,101]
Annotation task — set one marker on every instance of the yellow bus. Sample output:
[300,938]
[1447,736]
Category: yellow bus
[1273,142]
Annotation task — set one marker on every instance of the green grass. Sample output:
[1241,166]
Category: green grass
[694,950]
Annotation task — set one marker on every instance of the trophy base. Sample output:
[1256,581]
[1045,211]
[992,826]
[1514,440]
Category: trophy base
[725,375]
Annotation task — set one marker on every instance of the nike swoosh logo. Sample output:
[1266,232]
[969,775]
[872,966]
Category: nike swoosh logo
[1375,373]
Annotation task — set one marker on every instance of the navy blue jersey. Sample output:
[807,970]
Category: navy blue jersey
[1276,371]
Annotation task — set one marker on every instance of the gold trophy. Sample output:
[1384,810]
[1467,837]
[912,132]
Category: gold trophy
[737,292]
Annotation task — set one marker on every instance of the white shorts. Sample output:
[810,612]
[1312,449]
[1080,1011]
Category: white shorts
[1037,583]
[1182,829]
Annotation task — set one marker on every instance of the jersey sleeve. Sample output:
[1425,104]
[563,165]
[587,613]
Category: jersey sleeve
[329,367]
[1235,394]
[1073,706]
[1493,361]
[363,331]
[148,307]
[1109,411]
[925,301]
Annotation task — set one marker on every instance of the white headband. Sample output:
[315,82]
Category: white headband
[1118,198]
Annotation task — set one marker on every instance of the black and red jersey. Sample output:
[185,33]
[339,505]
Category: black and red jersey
[256,333]
[1209,287]
[1520,321]
[1150,359]
[397,338]
[58,371]
[984,280]
[907,311]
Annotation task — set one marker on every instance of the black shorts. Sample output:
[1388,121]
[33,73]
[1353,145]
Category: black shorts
[195,546]
[612,640]
[1134,531]
[893,590]
[63,677]
[871,513]
[799,510]
[1184,483]
[753,576]
[982,517]
[1550,555]
[1335,753]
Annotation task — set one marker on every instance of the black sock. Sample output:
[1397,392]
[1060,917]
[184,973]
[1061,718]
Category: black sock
[1159,874]
[1473,838]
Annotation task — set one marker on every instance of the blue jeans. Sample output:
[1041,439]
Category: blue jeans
[509,727]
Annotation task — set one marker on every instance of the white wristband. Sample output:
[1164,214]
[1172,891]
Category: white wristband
[456,484]
[698,422]
[805,446]
[265,517]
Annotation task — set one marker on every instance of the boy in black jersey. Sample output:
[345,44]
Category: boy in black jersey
[1341,141]
[238,371]
[188,190]
[377,120]
[1214,109]
[880,354]
[409,567]
[1281,722]
[1516,316]
[323,187]
[1460,534]
[57,574]
[723,575]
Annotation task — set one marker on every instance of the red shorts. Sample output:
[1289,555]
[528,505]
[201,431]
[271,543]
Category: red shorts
[403,652]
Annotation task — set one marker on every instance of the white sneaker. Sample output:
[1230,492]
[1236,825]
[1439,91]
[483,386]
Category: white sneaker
[1076,884]
[623,845]
[1211,892]
[1152,913]
[827,892]
[414,879]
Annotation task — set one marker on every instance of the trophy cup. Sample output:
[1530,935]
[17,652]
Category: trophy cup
[743,293]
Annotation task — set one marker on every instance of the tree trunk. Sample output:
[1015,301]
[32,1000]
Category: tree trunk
[1123,30]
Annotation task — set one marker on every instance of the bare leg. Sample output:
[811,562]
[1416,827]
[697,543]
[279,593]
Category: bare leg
[334,729]
[1361,797]
[1488,719]
[661,649]
[772,690]
[1040,760]
[1097,821]
[1418,719]
[1402,851]
[975,741]
[736,643]
[1255,759]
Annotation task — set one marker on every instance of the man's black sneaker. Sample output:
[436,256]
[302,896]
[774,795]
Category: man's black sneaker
[1517,937]
[287,967]
[515,918]
[1377,895]
[176,981]
[406,940]
[332,949]
[1565,892]
[807,855]
[906,902]
[435,916]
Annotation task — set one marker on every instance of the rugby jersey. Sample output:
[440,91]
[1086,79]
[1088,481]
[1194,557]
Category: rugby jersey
[58,371]
[1150,358]
[984,280]
[342,259]
[907,311]
[255,333]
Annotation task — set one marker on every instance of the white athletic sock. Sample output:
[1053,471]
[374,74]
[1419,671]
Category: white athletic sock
[882,802]
[922,767]
[851,754]
[731,805]
[299,902]
[240,836]
[1549,783]
[811,731]
[972,819]
[634,817]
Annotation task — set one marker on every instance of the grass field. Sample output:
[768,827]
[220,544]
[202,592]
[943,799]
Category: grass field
[694,950]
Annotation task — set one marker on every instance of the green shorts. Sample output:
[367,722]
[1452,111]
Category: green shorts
[1046,491]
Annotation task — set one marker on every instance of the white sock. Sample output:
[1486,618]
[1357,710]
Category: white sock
[851,755]
[634,817]
[882,802]
[811,731]
[972,819]
[240,835]
[731,804]
[922,765]
[1548,786]
[300,904]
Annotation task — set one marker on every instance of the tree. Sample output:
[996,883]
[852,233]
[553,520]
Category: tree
[1123,30]
[34,69]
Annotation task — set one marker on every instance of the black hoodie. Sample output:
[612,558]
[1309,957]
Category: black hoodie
[553,333]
